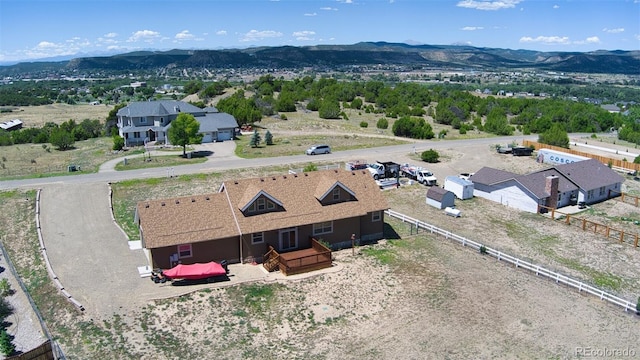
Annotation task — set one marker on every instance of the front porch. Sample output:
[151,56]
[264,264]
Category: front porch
[316,257]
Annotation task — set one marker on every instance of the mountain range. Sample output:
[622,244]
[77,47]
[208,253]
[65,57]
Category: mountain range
[340,56]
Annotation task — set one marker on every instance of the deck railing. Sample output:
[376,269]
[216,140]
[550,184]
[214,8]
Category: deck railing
[500,256]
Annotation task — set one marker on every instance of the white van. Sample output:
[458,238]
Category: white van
[318,149]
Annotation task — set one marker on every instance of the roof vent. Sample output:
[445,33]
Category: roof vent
[295,175]
[177,201]
[207,198]
[236,182]
[261,180]
[193,200]
[273,178]
[146,206]
[305,174]
[284,176]
[352,173]
[162,204]
[336,171]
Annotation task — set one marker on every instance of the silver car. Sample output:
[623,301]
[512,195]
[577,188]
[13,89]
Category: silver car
[319,149]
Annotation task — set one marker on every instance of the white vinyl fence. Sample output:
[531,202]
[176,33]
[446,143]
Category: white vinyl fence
[500,256]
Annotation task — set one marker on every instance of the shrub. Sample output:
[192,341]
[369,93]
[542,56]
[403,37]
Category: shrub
[6,346]
[382,123]
[268,138]
[118,143]
[5,287]
[483,249]
[310,167]
[364,124]
[283,116]
[430,156]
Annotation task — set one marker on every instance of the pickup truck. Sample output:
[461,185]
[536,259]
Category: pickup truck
[384,169]
[419,174]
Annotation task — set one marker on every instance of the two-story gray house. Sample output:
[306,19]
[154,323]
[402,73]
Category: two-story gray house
[149,121]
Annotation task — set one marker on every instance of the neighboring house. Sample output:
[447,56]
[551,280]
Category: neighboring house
[15,124]
[149,121]
[440,198]
[461,188]
[586,181]
[612,108]
[245,217]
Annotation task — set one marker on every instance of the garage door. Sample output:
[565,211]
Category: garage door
[207,138]
[224,135]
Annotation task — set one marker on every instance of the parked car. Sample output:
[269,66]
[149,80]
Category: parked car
[319,149]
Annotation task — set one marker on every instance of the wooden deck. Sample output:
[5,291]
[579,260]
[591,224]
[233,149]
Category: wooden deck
[299,261]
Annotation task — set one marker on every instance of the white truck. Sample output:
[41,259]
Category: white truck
[384,169]
[421,175]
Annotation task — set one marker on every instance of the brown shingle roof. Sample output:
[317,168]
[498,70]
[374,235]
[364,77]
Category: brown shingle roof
[187,219]
[437,193]
[201,220]
[491,176]
[298,195]
[536,182]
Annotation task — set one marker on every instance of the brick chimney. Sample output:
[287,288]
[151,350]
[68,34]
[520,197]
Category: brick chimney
[551,187]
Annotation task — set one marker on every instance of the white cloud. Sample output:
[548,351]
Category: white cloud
[488,5]
[255,35]
[345,1]
[472,28]
[304,35]
[221,32]
[144,35]
[310,14]
[589,40]
[556,6]
[328,8]
[613,31]
[184,35]
[547,40]
[110,35]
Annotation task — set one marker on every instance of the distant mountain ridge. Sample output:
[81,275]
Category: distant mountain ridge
[364,53]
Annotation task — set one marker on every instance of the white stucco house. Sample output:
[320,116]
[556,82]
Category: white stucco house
[587,181]
[149,121]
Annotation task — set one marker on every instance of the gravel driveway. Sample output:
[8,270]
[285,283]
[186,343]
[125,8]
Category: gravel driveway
[88,252]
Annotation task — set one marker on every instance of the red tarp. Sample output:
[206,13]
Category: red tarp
[195,271]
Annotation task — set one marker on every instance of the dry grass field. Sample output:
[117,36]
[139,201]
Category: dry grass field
[36,116]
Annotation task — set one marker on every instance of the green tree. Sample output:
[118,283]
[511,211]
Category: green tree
[310,167]
[430,156]
[255,139]
[268,138]
[184,131]
[556,136]
[61,139]
[329,109]
[382,123]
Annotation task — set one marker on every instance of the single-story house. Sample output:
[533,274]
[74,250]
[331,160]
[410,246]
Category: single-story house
[149,121]
[440,198]
[245,217]
[587,181]
[461,188]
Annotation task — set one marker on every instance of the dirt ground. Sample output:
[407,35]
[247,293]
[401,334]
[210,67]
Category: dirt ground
[37,116]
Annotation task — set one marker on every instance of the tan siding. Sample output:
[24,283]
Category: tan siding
[217,250]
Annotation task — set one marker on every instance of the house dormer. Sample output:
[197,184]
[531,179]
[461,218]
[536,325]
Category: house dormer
[330,191]
[256,201]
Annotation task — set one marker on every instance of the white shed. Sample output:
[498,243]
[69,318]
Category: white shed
[440,198]
[463,189]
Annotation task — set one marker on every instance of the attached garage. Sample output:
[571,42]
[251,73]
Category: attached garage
[225,134]
[207,137]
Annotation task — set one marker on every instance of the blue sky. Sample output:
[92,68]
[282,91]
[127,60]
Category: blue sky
[32,29]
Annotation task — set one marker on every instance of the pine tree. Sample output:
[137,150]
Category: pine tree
[255,139]
[268,138]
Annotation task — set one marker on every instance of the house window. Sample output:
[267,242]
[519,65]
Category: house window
[336,194]
[559,197]
[376,216]
[602,191]
[143,120]
[136,134]
[590,195]
[261,204]
[270,205]
[257,238]
[323,228]
[184,251]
